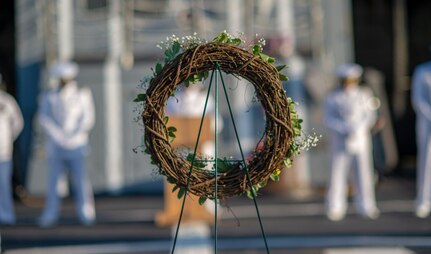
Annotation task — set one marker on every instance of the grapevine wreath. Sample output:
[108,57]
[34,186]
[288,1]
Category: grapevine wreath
[189,60]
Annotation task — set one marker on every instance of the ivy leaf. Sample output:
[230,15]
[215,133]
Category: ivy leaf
[252,193]
[172,129]
[287,162]
[168,55]
[199,164]
[190,157]
[256,50]
[166,119]
[181,193]
[196,78]
[262,184]
[196,163]
[283,77]
[202,200]
[280,67]
[175,188]
[170,180]
[236,41]
[267,58]
[205,75]
[158,68]
[221,38]
[140,97]
[275,178]
[176,48]
[223,165]
[171,134]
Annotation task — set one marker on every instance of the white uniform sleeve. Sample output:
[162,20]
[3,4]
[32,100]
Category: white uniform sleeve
[17,121]
[48,125]
[332,119]
[369,115]
[421,93]
[89,116]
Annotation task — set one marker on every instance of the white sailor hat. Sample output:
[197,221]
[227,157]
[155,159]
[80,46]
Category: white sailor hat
[64,70]
[349,71]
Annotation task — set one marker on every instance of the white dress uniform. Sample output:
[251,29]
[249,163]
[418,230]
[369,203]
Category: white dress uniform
[11,124]
[349,117]
[67,115]
[421,100]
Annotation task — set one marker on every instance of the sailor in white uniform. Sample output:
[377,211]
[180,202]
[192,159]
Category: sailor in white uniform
[421,100]
[349,116]
[11,124]
[66,115]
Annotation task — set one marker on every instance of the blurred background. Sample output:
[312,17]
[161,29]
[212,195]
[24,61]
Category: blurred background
[114,43]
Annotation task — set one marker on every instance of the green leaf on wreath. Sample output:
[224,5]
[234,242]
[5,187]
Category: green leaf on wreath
[236,41]
[221,38]
[256,50]
[287,162]
[166,119]
[181,193]
[196,78]
[283,77]
[267,58]
[140,97]
[252,193]
[199,164]
[158,68]
[170,180]
[223,165]
[176,48]
[202,200]
[280,67]
[196,163]
[172,129]
[175,188]
[262,184]
[190,157]
[168,55]
[275,178]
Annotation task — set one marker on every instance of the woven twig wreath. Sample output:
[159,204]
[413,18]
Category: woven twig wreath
[232,60]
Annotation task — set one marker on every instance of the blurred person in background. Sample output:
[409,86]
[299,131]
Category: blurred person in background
[350,117]
[66,115]
[11,124]
[421,100]
[189,102]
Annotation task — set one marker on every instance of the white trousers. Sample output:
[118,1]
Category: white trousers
[74,161]
[364,198]
[7,214]
[423,177]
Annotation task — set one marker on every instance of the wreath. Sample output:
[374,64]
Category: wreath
[189,60]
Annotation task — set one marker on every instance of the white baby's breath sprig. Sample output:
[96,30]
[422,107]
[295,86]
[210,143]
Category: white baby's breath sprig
[261,42]
[191,41]
[307,141]
[186,42]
